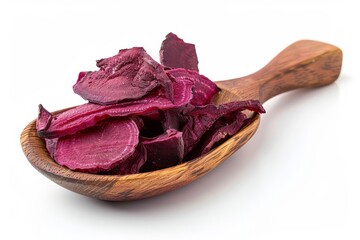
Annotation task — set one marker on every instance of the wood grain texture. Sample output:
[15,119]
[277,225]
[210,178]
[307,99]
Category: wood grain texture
[303,64]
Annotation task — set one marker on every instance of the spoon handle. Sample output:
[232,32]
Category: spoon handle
[303,64]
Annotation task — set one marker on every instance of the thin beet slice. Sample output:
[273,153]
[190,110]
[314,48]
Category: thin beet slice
[99,148]
[44,119]
[223,128]
[163,151]
[51,145]
[204,88]
[131,74]
[201,118]
[171,119]
[175,53]
[87,115]
[132,164]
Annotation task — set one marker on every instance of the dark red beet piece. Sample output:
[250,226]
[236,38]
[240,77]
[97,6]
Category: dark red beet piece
[99,148]
[175,53]
[132,164]
[204,88]
[87,115]
[163,151]
[201,118]
[51,145]
[131,74]
[171,119]
[223,128]
[44,119]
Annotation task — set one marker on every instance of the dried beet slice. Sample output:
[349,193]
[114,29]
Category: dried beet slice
[44,119]
[175,53]
[204,88]
[132,164]
[163,151]
[171,119]
[87,115]
[99,148]
[201,118]
[131,74]
[222,129]
[51,145]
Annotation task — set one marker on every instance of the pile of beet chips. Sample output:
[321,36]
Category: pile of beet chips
[141,115]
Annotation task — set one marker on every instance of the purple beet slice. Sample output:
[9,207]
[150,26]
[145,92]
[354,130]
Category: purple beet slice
[99,148]
[44,119]
[132,164]
[131,74]
[87,115]
[163,151]
[51,145]
[171,119]
[175,53]
[204,88]
[201,118]
[223,128]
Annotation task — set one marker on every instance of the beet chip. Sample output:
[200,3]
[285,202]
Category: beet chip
[99,148]
[171,119]
[201,118]
[131,74]
[87,115]
[223,128]
[175,53]
[44,119]
[51,145]
[204,88]
[163,151]
[132,164]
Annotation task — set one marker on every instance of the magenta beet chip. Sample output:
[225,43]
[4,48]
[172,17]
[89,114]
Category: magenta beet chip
[175,53]
[223,128]
[204,88]
[163,151]
[51,145]
[132,164]
[201,118]
[87,115]
[99,148]
[44,119]
[131,74]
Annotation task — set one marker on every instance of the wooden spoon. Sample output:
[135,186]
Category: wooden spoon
[301,65]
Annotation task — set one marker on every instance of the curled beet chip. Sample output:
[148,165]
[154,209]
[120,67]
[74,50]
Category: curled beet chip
[51,145]
[87,115]
[132,164]
[175,53]
[131,74]
[223,128]
[163,151]
[99,148]
[44,118]
[201,118]
[171,119]
[204,88]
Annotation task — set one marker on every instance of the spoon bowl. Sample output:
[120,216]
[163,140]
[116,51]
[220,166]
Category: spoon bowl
[303,64]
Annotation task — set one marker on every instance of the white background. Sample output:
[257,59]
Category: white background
[298,178]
